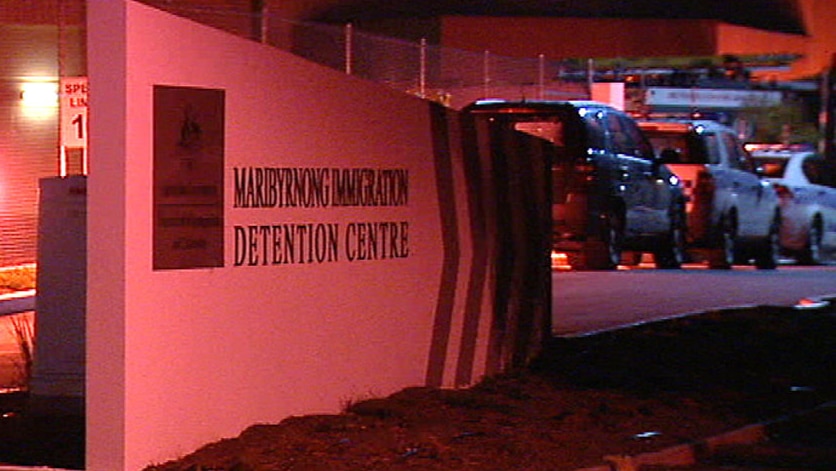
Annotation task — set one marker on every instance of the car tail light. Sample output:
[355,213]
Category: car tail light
[560,260]
[784,192]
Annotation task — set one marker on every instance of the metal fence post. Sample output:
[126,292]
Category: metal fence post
[486,71]
[265,24]
[349,37]
[258,8]
[590,75]
[422,77]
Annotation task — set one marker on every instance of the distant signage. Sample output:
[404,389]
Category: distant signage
[73,104]
[188,177]
[710,98]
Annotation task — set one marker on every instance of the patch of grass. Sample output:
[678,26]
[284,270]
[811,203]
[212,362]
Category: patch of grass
[23,331]
[348,404]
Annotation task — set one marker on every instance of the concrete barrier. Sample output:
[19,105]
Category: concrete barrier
[267,232]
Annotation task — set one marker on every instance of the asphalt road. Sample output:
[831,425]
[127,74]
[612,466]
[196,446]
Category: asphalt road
[585,302]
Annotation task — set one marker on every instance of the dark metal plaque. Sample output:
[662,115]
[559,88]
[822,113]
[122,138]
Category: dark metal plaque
[188,177]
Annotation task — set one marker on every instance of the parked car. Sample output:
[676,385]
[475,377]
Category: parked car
[610,194]
[806,185]
[733,215]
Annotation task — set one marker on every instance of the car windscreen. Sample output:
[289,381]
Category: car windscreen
[550,130]
[560,130]
[564,137]
[691,149]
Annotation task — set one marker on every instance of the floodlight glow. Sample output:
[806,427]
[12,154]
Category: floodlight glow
[39,94]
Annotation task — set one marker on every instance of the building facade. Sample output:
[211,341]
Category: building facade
[39,42]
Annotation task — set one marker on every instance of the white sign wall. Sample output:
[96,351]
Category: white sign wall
[337,277]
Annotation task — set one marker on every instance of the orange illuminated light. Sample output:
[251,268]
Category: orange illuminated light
[560,261]
[666,126]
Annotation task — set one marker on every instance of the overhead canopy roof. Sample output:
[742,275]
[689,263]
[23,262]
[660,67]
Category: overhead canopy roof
[773,15]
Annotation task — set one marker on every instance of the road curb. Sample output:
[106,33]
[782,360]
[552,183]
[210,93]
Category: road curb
[689,454]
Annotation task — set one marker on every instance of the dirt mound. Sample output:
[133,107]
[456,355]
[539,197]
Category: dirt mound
[621,392]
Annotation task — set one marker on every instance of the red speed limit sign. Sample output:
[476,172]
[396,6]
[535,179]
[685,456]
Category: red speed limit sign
[73,98]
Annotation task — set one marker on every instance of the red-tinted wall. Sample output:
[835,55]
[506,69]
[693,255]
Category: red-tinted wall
[580,37]
[28,136]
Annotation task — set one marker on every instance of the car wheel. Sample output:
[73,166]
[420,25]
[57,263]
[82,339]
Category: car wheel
[812,254]
[614,239]
[671,253]
[723,257]
[767,257]
[606,254]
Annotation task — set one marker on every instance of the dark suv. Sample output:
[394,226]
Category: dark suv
[609,192]
[733,215]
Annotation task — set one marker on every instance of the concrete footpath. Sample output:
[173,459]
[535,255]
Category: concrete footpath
[802,441]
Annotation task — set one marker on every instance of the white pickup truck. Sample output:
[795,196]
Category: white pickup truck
[733,215]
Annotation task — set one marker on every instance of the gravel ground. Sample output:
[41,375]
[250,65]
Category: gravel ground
[612,394]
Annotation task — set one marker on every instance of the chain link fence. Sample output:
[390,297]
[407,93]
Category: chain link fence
[453,77]
[450,76]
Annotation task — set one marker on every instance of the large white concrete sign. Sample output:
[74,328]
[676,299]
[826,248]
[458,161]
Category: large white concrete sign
[266,237]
